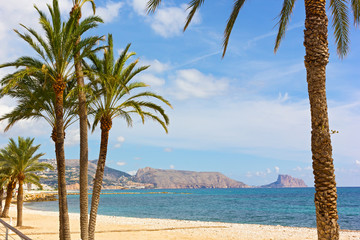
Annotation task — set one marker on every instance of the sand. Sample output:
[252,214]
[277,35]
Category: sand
[41,225]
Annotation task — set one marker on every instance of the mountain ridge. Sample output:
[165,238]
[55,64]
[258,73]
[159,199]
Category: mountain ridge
[155,178]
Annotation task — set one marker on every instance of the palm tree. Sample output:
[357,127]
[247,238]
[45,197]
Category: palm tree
[111,86]
[36,100]
[11,184]
[2,184]
[316,59]
[6,179]
[76,13]
[55,53]
[22,159]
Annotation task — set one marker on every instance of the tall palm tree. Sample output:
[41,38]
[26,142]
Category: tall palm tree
[76,13]
[23,161]
[316,59]
[111,86]
[55,52]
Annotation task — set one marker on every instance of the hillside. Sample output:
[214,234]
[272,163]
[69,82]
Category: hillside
[185,179]
[286,181]
[112,178]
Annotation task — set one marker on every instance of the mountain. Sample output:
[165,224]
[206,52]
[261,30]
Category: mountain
[286,181]
[185,179]
[112,178]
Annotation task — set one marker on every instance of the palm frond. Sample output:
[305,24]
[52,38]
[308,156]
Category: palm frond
[355,5]
[152,5]
[284,17]
[194,5]
[230,23]
[340,23]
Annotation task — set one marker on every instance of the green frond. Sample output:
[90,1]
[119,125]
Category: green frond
[284,17]
[355,5]
[340,23]
[152,5]
[230,23]
[194,5]
[156,119]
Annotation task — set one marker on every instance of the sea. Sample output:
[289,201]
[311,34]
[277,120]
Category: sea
[282,206]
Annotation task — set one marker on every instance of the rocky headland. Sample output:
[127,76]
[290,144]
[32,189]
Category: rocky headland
[286,181]
[167,179]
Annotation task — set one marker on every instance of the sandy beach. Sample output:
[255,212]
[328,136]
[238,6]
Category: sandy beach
[41,225]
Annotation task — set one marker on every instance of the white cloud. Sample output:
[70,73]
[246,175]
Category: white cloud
[357,162]
[170,21]
[298,169]
[168,150]
[166,21]
[268,171]
[110,11]
[137,158]
[121,163]
[139,6]
[132,173]
[120,140]
[155,65]
[151,80]
[172,166]
[72,137]
[192,83]
[277,169]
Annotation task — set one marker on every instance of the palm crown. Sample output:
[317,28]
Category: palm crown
[111,87]
[37,100]
[56,51]
[21,160]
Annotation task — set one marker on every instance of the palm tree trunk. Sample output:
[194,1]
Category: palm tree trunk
[83,139]
[9,191]
[105,128]
[59,87]
[1,199]
[316,59]
[20,200]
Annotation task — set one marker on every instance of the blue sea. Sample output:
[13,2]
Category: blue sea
[286,206]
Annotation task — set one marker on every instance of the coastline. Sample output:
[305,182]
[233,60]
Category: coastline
[43,225]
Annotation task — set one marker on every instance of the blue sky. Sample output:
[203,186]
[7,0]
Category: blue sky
[246,115]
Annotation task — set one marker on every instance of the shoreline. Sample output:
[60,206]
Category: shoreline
[43,225]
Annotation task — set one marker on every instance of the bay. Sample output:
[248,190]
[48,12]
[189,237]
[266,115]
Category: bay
[283,206]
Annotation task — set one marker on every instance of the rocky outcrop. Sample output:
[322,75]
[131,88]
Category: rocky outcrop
[40,197]
[286,181]
[168,179]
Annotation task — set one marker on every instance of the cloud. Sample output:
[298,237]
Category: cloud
[151,80]
[268,171]
[169,21]
[277,169]
[137,158]
[132,173]
[121,163]
[168,150]
[110,11]
[172,166]
[357,162]
[139,6]
[192,83]
[166,21]
[155,65]
[120,140]
[72,137]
